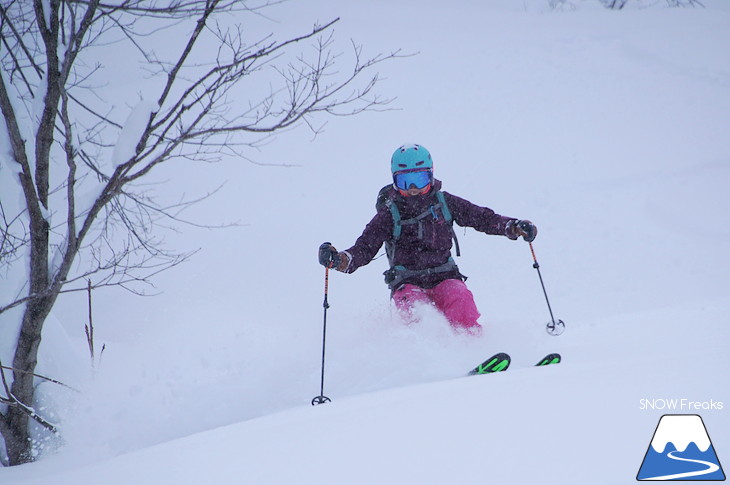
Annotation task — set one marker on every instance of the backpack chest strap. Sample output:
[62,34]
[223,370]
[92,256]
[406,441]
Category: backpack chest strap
[431,211]
[398,223]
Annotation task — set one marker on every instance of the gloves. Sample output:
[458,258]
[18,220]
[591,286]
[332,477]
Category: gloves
[330,258]
[525,228]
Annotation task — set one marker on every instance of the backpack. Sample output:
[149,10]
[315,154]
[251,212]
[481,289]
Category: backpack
[396,274]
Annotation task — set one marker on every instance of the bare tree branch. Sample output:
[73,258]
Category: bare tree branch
[87,209]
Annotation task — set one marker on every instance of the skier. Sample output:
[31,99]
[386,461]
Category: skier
[414,220]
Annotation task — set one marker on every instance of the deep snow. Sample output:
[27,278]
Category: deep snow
[607,129]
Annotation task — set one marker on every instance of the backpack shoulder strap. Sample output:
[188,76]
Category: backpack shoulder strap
[449,218]
[444,207]
[397,226]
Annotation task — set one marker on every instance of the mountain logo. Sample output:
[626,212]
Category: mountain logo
[681,450]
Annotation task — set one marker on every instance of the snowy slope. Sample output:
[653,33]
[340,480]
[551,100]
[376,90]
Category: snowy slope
[577,422]
[607,129]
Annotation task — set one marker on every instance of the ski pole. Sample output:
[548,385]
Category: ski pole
[321,399]
[553,327]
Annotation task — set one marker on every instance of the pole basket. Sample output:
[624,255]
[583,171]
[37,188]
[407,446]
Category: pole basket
[555,328]
[320,400]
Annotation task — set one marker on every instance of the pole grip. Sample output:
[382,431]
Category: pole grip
[325,304]
[535,265]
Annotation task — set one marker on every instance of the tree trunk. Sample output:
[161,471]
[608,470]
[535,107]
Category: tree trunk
[17,436]
[18,441]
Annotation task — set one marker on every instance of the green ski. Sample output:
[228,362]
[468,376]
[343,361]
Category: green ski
[501,361]
[496,363]
[549,359]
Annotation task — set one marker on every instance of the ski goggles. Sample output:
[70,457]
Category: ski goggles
[420,179]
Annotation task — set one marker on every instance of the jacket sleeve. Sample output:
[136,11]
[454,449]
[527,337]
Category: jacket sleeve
[378,230]
[482,219]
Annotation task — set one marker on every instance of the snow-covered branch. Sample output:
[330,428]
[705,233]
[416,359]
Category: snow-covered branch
[10,400]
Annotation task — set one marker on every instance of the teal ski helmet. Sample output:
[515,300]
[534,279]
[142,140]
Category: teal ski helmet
[411,165]
[410,157]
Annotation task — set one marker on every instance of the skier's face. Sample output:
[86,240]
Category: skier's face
[413,191]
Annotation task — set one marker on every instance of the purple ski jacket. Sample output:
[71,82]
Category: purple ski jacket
[427,246]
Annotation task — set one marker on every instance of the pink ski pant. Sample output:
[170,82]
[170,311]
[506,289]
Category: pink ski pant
[451,297]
